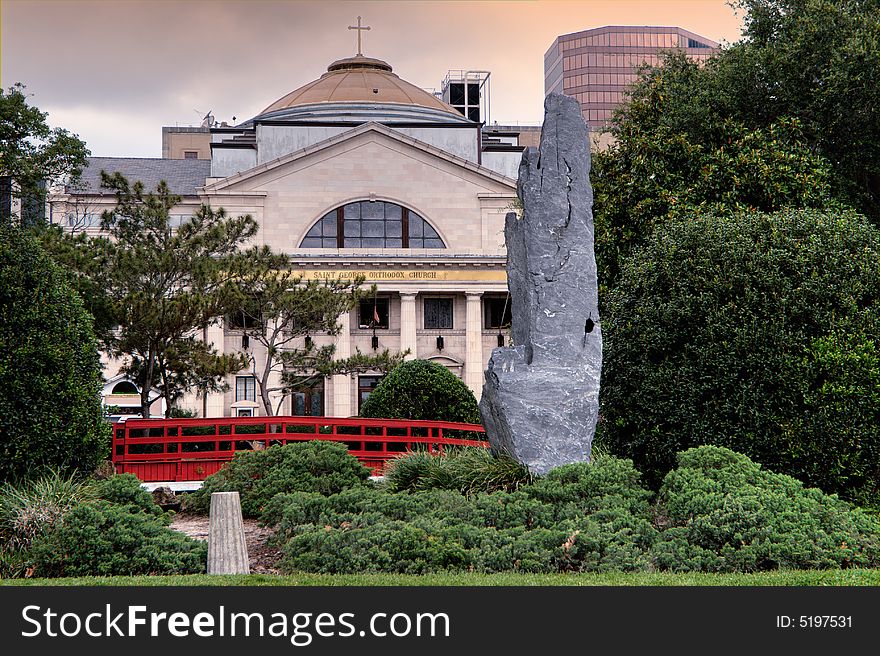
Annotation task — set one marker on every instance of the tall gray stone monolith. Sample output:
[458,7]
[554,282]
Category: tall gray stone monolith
[541,397]
[227,548]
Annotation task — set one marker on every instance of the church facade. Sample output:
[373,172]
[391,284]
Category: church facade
[356,173]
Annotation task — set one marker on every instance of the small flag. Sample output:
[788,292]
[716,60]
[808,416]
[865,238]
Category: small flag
[375,314]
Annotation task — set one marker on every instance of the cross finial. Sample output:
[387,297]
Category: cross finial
[359,29]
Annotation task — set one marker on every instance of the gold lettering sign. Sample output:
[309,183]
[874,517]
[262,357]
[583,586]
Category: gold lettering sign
[405,275]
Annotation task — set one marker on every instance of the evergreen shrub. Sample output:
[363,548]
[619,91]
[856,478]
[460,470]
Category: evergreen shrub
[589,525]
[755,332]
[315,466]
[722,512]
[126,490]
[50,373]
[718,511]
[418,389]
[104,539]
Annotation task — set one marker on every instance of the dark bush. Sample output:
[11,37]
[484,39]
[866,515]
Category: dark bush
[315,466]
[103,539]
[50,373]
[723,512]
[755,332]
[418,389]
[126,490]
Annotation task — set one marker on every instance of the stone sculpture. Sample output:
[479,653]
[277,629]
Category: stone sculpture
[541,397]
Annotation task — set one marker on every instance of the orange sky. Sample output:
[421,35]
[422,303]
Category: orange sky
[116,71]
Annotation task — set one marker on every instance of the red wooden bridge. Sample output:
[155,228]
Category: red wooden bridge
[191,449]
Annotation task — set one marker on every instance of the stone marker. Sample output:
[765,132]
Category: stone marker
[227,549]
[541,397]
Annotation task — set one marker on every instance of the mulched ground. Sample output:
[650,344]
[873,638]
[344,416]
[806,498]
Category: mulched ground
[263,559]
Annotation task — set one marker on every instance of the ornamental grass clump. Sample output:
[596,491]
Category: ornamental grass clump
[33,508]
[467,470]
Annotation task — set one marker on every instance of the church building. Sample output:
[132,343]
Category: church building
[357,172]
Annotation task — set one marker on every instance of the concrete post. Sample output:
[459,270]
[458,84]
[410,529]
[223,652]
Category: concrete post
[227,549]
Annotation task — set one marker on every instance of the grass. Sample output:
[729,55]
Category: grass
[466,470]
[847,577]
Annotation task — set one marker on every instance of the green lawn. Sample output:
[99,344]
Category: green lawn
[794,577]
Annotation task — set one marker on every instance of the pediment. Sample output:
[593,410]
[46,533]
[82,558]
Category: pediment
[365,144]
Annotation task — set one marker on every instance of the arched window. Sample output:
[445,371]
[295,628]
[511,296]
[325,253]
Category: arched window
[372,224]
[125,387]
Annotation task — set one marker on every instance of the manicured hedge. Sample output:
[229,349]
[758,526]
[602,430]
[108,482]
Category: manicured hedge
[756,332]
[50,373]
[418,389]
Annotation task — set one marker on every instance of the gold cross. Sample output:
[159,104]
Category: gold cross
[359,29]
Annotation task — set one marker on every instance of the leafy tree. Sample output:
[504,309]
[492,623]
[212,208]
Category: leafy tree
[816,61]
[755,332]
[166,283]
[32,155]
[50,373]
[666,162]
[277,308]
[84,262]
[418,389]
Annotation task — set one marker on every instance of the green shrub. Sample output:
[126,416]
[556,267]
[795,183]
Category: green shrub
[584,518]
[50,373]
[126,490]
[723,512]
[103,539]
[34,508]
[467,469]
[418,389]
[754,332]
[315,466]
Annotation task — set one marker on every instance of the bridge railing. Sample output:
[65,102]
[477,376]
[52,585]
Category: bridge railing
[192,449]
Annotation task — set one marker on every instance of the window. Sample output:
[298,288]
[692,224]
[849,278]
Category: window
[308,400]
[125,387]
[438,313]
[373,313]
[83,219]
[366,384]
[497,312]
[372,224]
[242,319]
[245,388]
[190,154]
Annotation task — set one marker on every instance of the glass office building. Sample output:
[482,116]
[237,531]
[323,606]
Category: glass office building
[596,66]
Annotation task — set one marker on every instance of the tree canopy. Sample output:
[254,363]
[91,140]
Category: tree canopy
[50,373]
[33,155]
[278,310]
[752,331]
[785,117]
[167,282]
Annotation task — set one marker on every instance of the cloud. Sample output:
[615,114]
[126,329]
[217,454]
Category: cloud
[116,72]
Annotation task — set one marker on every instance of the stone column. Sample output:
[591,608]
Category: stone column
[408,324]
[214,405]
[342,383]
[474,363]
